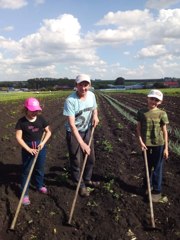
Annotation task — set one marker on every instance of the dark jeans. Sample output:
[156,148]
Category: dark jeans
[76,157]
[155,165]
[38,171]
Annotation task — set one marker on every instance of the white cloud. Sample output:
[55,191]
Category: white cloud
[126,53]
[159,4]
[136,25]
[127,27]
[152,51]
[38,2]
[8,29]
[9,45]
[13,4]
[126,18]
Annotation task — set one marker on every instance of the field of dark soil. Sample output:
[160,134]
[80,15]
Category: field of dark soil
[117,210]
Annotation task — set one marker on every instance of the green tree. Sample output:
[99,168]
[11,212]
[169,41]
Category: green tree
[119,81]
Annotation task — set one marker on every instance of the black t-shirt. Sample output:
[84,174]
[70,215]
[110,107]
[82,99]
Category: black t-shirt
[31,131]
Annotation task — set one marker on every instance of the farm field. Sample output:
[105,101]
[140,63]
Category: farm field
[115,211]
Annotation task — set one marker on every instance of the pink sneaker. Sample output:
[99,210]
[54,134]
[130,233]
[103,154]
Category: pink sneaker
[43,190]
[26,200]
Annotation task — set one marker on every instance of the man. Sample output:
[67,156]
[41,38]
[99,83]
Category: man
[81,111]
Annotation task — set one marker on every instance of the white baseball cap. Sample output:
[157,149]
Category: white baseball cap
[156,94]
[83,77]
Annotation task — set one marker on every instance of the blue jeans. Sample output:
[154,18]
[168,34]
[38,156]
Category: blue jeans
[38,171]
[155,165]
[76,157]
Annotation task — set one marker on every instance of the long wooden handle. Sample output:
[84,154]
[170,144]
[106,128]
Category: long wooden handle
[149,189]
[80,178]
[25,187]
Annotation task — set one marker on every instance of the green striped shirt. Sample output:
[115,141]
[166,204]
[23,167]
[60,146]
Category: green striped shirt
[151,126]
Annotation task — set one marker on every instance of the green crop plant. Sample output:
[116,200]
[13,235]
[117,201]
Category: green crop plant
[177,133]
[8,125]
[116,195]
[33,237]
[67,155]
[5,138]
[107,146]
[116,214]
[175,147]
[63,178]
[108,186]
[120,126]
[92,204]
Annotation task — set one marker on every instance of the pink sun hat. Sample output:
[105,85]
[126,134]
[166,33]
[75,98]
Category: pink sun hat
[32,104]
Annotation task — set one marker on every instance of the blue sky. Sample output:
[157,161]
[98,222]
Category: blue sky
[103,38]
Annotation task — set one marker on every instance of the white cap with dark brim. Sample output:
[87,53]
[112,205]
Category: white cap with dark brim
[156,94]
[83,78]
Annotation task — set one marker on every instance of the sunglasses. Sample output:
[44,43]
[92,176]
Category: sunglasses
[154,99]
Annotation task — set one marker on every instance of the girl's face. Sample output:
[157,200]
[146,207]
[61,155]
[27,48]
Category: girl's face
[32,115]
[153,102]
[82,88]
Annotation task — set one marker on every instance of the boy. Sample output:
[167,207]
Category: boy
[81,111]
[153,137]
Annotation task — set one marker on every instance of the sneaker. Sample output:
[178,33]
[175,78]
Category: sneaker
[156,197]
[26,200]
[84,192]
[43,190]
[92,184]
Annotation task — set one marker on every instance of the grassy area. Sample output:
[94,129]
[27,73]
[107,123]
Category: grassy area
[165,91]
[13,96]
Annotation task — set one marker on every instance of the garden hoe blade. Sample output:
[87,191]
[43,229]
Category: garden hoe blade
[153,226]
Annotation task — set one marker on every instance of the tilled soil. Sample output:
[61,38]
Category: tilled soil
[117,210]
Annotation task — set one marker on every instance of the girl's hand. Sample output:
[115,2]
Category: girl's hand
[33,151]
[40,146]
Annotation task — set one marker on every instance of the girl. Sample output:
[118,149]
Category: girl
[29,130]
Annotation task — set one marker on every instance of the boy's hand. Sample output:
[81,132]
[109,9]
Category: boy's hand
[85,148]
[143,146]
[95,121]
[166,154]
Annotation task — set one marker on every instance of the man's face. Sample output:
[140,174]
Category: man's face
[82,88]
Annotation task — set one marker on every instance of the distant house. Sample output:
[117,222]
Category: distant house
[171,84]
[120,87]
[136,86]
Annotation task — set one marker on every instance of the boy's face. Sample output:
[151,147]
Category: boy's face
[82,88]
[153,102]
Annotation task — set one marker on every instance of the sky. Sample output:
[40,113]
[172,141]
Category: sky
[106,39]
